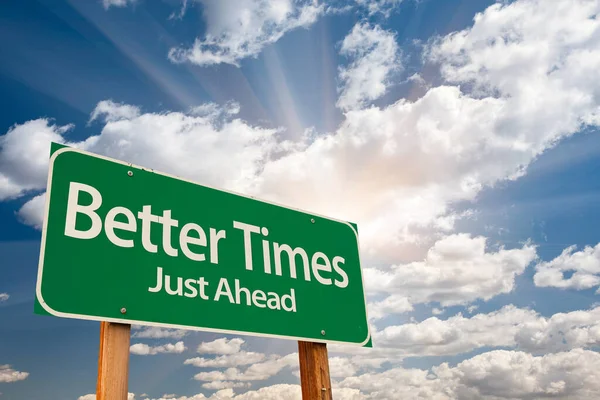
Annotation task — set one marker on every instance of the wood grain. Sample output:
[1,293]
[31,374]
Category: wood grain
[113,361]
[314,371]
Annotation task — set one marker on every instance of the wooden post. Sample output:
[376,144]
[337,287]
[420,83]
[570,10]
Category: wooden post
[314,371]
[113,361]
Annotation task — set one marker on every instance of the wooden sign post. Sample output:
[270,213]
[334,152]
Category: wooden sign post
[113,361]
[314,371]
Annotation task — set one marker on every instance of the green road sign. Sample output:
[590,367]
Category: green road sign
[126,244]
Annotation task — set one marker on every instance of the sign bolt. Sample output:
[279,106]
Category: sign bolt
[123,310]
[130,173]
[312,220]
[323,332]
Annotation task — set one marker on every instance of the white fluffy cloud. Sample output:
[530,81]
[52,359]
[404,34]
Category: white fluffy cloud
[143,349]
[219,385]
[237,29]
[32,212]
[510,326]
[494,375]
[7,374]
[457,334]
[374,55]
[130,396]
[24,154]
[152,332]
[456,270]
[256,372]
[228,360]
[221,346]
[112,111]
[116,3]
[584,265]
[273,392]
[4,297]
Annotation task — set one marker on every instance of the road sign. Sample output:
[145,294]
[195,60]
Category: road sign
[125,244]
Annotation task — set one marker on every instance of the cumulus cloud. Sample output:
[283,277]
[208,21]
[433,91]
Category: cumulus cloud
[143,349]
[228,360]
[152,332]
[456,270]
[239,29]
[169,142]
[24,153]
[4,297]
[457,334]
[130,396]
[111,111]
[32,212]
[374,56]
[584,265]
[219,385]
[256,372]
[7,374]
[117,3]
[221,346]
[498,374]
[393,304]
[273,392]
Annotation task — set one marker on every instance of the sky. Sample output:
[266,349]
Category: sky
[460,136]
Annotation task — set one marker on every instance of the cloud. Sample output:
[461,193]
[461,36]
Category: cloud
[456,270]
[112,111]
[498,374]
[239,29]
[273,392]
[221,346]
[32,213]
[7,374]
[393,304]
[218,385]
[170,143]
[117,3]
[145,350]
[374,56]
[228,360]
[255,372]
[130,396]
[584,265]
[508,328]
[24,154]
[4,297]
[384,7]
[152,332]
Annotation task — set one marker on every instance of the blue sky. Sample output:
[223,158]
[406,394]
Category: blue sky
[461,136]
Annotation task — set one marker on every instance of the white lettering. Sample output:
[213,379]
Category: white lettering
[316,267]
[292,298]
[74,208]
[188,285]
[147,218]
[248,230]
[224,289]
[110,225]
[344,282]
[184,240]
[215,236]
[158,281]
[278,249]
[167,223]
